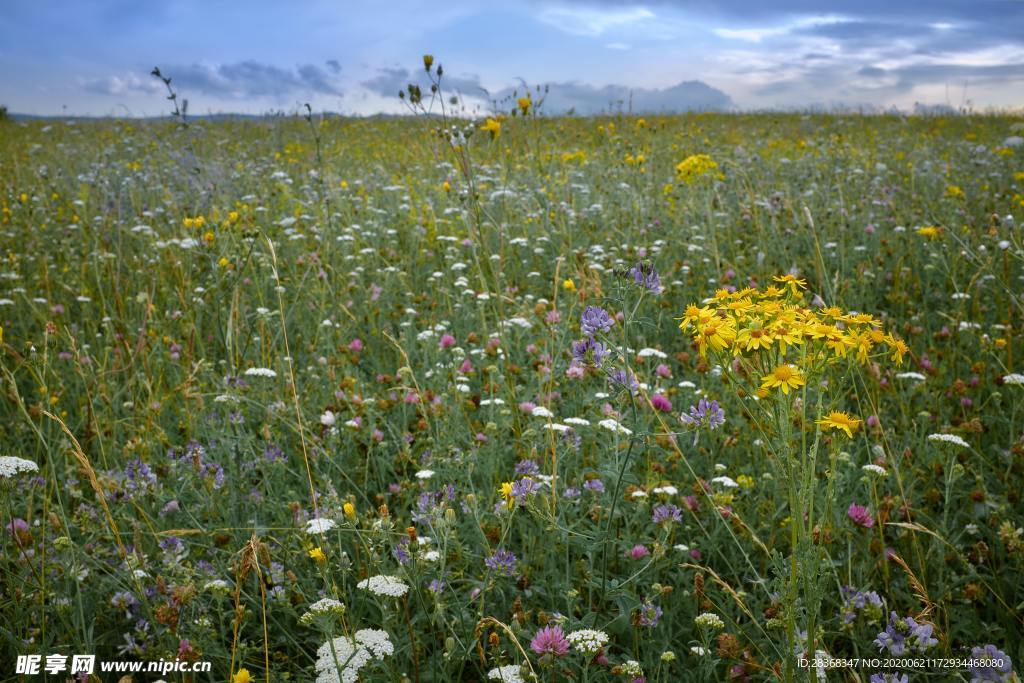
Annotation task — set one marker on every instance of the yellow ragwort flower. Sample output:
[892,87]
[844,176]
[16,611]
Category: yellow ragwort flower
[242,676]
[317,554]
[492,126]
[783,377]
[839,420]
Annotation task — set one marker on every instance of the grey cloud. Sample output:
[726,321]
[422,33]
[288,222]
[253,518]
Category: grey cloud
[588,99]
[236,80]
[562,97]
[389,81]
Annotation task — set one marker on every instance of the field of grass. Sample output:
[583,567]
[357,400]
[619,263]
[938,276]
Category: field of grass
[259,365]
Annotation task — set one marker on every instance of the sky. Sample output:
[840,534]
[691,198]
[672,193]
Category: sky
[94,57]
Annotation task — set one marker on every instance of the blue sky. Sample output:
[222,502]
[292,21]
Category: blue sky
[94,57]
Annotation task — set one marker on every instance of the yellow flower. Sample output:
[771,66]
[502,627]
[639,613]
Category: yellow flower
[492,126]
[745,481]
[752,339]
[242,676]
[568,285]
[506,492]
[929,231]
[350,510]
[524,104]
[223,262]
[692,167]
[428,61]
[783,377]
[795,284]
[837,419]
[446,186]
[208,237]
[954,192]
[317,554]
[718,334]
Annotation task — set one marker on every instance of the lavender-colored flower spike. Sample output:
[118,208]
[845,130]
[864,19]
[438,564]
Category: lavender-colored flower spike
[595,319]
[589,352]
[706,414]
[646,276]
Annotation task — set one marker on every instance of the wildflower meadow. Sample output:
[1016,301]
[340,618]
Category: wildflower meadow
[510,396]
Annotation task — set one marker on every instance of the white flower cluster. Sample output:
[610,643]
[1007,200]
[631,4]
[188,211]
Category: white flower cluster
[632,668]
[11,465]
[510,673]
[323,607]
[709,620]
[320,525]
[384,585]
[613,426]
[949,438]
[260,372]
[587,640]
[1013,378]
[339,660]
[872,468]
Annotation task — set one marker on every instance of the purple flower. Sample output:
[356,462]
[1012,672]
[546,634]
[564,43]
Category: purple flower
[650,614]
[666,514]
[503,562]
[889,677]
[855,603]
[401,552]
[435,586]
[527,467]
[860,516]
[624,379]
[595,485]
[638,551]
[523,489]
[589,352]
[595,319]
[905,635]
[997,665]
[646,276]
[706,414]
[550,640]
[661,403]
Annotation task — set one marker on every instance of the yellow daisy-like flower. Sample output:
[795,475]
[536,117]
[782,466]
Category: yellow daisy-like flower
[839,420]
[242,676]
[506,492]
[783,377]
[929,231]
[492,126]
[794,283]
[317,554]
[717,335]
[350,510]
[752,339]
[568,285]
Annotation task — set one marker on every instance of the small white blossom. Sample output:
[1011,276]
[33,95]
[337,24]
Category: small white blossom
[391,586]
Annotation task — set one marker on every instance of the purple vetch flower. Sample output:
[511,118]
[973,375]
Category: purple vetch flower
[856,603]
[273,453]
[905,635]
[624,379]
[527,467]
[595,485]
[523,489]
[996,665]
[646,276]
[650,614]
[401,552]
[550,640]
[666,514]
[589,352]
[502,562]
[706,414]
[889,677]
[436,585]
[595,319]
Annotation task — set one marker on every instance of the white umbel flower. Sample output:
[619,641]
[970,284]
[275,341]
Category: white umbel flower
[320,525]
[949,438]
[391,586]
[260,372]
[1013,378]
[587,640]
[11,465]
[510,673]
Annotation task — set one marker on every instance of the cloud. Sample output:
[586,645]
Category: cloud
[587,99]
[566,96]
[389,81]
[237,80]
[592,22]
